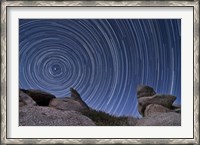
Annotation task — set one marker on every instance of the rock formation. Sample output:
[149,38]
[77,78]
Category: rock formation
[76,96]
[143,91]
[157,109]
[162,119]
[56,111]
[48,116]
[164,100]
[67,104]
[25,99]
[40,97]
[38,108]
[154,109]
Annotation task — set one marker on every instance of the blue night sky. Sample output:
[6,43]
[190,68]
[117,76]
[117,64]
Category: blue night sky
[103,59]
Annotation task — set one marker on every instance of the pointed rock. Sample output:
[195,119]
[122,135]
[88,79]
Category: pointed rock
[76,96]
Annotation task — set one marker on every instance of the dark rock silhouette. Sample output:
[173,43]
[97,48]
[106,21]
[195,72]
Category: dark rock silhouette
[40,97]
[76,96]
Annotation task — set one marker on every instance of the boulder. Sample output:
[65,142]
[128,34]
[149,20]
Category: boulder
[164,100]
[155,109]
[161,119]
[25,99]
[40,97]
[47,116]
[144,91]
[66,104]
[74,94]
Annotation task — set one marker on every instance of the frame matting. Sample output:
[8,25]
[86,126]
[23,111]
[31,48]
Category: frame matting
[6,4]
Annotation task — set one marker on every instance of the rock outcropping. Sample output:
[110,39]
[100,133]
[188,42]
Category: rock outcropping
[162,119]
[69,103]
[38,108]
[40,97]
[157,109]
[143,91]
[25,99]
[48,116]
[76,96]
[66,104]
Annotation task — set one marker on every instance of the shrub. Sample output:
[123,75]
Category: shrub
[101,118]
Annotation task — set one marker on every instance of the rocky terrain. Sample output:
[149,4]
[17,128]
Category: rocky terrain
[39,108]
[48,116]
[157,109]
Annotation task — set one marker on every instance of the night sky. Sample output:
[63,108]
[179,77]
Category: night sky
[103,59]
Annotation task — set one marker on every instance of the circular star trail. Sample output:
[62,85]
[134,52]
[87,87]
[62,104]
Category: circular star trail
[103,59]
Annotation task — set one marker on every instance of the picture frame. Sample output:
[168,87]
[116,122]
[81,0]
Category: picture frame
[5,5]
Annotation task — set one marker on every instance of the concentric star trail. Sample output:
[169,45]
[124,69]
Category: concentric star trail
[103,59]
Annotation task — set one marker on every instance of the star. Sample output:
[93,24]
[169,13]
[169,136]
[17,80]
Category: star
[103,59]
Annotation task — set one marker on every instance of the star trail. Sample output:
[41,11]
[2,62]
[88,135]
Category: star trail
[103,59]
